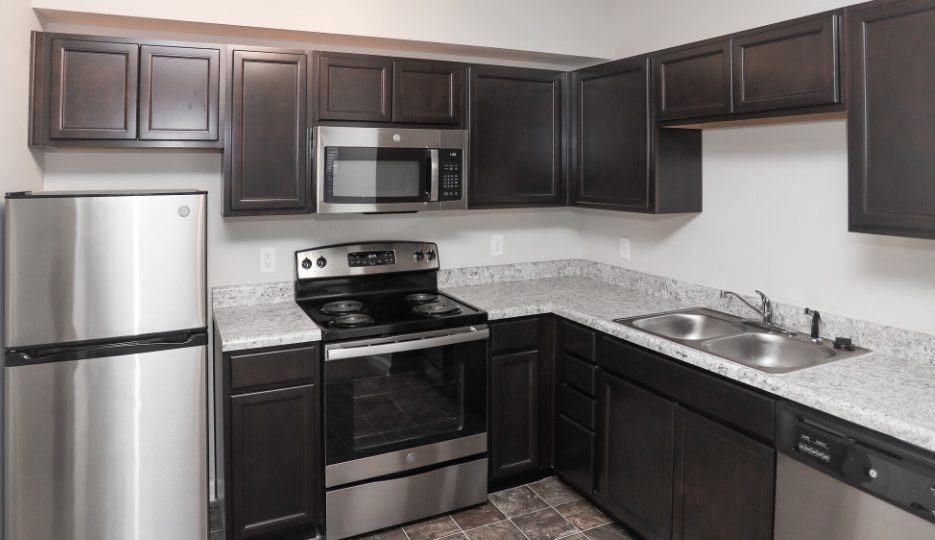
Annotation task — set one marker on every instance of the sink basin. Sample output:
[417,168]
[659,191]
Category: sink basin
[769,352]
[688,326]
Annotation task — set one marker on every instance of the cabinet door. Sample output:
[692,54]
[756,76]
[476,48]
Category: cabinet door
[514,416]
[93,89]
[354,87]
[635,457]
[693,81]
[575,454]
[426,92]
[723,482]
[267,170]
[516,137]
[891,114]
[179,93]
[611,109]
[274,460]
[791,65]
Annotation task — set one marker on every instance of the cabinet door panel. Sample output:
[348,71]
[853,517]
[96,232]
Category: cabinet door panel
[612,136]
[723,482]
[267,170]
[514,418]
[273,459]
[179,91]
[427,92]
[93,90]
[635,457]
[694,81]
[355,88]
[795,65]
[575,454]
[890,135]
[515,137]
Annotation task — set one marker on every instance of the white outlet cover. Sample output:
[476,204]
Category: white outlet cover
[267,260]
[625,248]
[496,245]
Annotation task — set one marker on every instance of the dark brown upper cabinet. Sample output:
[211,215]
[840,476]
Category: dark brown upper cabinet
[93,87]
[890,135]
[354,87]
[621,160]
[792,64]
[266,169]
[112,92]
[179,93]
[516,137]
[427,92]
[693,81]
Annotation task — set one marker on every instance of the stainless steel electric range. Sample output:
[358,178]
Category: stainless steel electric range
[405,371]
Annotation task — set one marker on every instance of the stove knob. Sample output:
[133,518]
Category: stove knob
[321,262]
[430,255]
[306,263]
[418,255]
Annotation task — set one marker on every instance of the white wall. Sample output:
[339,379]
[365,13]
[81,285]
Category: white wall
[233,258]
[581,28]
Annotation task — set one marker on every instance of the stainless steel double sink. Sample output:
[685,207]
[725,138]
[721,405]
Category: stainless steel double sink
[727,336]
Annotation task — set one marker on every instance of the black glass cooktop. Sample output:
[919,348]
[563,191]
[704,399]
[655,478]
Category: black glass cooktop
[372,315]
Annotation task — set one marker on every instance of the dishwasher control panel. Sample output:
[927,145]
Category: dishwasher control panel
[896,472]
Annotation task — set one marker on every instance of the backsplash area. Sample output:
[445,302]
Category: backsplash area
[874,336]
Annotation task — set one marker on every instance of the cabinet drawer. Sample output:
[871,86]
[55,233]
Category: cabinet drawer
[579,375]
[574,459]
[578,407]
[578,340]
[730,402]
[272,368]
[514,334]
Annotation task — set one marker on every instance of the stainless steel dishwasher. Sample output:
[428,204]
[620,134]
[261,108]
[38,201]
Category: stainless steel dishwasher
[838,481]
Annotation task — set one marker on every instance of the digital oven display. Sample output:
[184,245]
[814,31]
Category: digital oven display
[371,258]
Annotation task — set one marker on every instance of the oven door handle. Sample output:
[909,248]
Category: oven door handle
[339,352]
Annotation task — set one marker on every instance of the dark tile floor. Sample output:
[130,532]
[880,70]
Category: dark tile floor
[543,510]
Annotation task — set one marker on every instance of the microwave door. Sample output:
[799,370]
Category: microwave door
[358,179]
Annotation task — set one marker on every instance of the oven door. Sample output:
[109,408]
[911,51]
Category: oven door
[374,179]
[404,402]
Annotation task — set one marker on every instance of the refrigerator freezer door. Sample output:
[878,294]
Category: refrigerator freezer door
[108,448]
[99,267]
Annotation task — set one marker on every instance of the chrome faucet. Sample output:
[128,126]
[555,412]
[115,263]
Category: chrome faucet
[765,311]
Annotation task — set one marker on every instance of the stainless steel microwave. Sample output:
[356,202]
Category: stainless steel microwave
[360,169]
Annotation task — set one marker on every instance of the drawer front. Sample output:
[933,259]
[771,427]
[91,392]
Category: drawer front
[515,334]
[574,457]
[579,375]
[578,340]
[729,402]
[273,368]
[578,407]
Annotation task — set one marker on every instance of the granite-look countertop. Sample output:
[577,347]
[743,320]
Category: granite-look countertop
[252,326]
[880,391]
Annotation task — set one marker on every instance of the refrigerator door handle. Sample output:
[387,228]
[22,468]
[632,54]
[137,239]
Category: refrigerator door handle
[115,348]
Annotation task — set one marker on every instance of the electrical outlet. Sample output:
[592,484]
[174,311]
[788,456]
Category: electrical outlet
[496,245]
[267,260]
[625,248]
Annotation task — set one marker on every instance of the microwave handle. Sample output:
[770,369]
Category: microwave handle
[433,193]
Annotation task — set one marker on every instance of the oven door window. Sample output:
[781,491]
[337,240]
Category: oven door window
[377,175]
[387,402]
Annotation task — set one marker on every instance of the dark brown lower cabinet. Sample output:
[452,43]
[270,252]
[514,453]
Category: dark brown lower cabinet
[635,456]
[514,392]
[575,447]
[723,482]
[273,444]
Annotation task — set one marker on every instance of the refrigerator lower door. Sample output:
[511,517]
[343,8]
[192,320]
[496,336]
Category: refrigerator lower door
[108,448]
[84,268]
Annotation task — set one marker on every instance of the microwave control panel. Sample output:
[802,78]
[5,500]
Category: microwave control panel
[450,174]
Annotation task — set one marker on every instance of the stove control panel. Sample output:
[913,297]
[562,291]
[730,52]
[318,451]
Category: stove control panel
[362,259]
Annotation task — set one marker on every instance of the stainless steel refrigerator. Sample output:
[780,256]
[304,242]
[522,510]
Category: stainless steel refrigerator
[105,344]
